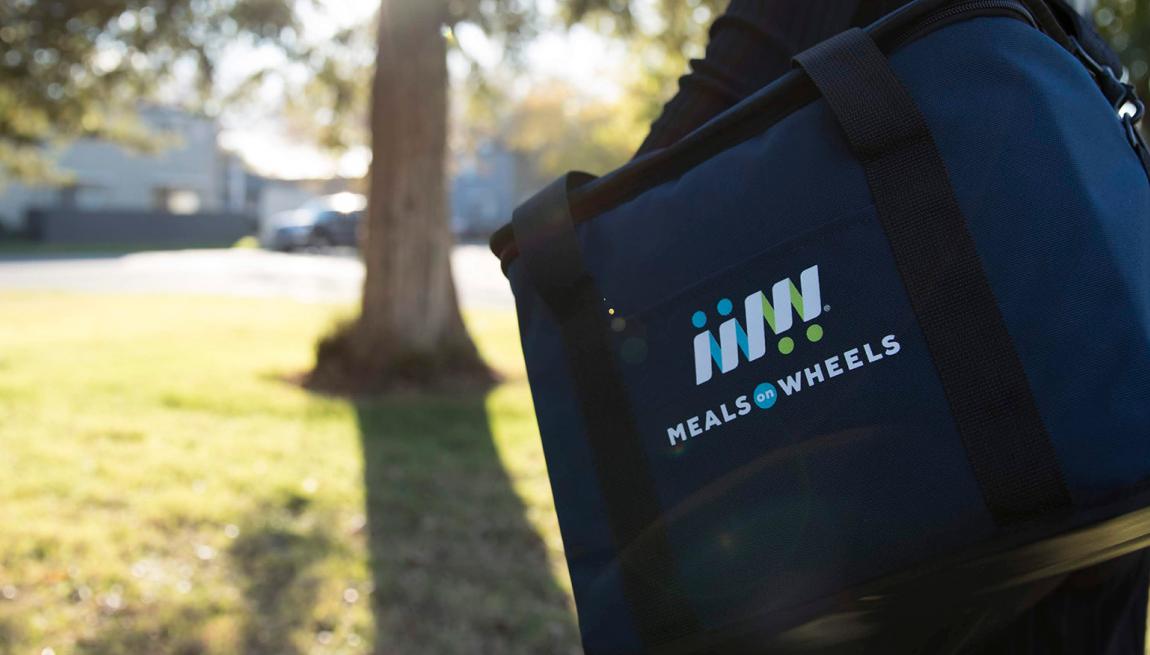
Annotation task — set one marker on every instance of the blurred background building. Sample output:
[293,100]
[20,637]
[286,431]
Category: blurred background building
[191,191]
[186,191]
[489,182]
[189,176]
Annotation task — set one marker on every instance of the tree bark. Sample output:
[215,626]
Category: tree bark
[410,329]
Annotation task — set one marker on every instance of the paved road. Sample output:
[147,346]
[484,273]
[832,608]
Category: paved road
[238,272]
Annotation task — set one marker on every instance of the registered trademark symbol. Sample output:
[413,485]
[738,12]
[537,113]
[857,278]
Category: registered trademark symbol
[826,308]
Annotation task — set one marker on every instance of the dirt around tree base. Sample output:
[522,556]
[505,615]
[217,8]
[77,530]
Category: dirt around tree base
[350,364]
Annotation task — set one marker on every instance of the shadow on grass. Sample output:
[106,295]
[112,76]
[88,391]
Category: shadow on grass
[456,566]
[273,565]
[273,560]
[8,636]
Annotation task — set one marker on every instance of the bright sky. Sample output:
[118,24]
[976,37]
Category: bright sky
[580,57]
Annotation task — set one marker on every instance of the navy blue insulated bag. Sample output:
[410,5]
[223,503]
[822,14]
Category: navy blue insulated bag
[879,334]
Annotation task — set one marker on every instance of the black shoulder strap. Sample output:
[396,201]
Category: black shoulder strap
[1080,28]
[1006,442]
[549,251]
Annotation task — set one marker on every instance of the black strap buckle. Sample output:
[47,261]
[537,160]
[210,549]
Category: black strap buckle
[1115,90]
[1123,98]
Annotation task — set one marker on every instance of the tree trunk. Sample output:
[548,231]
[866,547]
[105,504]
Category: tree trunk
[410,330]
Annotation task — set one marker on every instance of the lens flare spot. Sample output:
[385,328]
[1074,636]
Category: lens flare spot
[634,350]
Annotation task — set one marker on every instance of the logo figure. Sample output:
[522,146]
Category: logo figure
[751,340]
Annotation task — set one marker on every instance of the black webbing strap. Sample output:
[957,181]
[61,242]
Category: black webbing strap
[1008,447]
[549,251]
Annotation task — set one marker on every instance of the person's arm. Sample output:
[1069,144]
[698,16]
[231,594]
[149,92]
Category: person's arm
[750,45]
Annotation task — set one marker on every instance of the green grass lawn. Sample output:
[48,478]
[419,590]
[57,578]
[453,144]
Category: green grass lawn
[166,491]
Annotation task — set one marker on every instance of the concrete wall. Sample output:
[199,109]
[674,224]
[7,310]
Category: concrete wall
[138,227]
[15,199]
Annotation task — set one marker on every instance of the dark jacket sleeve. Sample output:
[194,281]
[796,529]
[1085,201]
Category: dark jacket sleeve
[750,45]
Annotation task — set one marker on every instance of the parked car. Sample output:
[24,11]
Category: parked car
[320,224]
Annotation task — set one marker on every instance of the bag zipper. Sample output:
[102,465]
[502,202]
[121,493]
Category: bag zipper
[937,19]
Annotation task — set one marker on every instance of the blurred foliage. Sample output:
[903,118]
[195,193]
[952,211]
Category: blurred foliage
[559,130]
[663,35]
[558,127]
[330,107]
[1126,24]
[78,69]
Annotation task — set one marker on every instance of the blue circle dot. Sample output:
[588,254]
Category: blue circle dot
[766,395]
[699,319]
[725,307]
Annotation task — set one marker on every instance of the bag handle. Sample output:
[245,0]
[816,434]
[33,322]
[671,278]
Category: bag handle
[1009,450]
[548,247]
[549,251]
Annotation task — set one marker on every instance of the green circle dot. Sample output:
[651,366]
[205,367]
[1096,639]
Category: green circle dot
[786,345]
[815,333]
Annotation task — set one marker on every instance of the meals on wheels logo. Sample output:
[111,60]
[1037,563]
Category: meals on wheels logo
[748,339]
[751,338]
